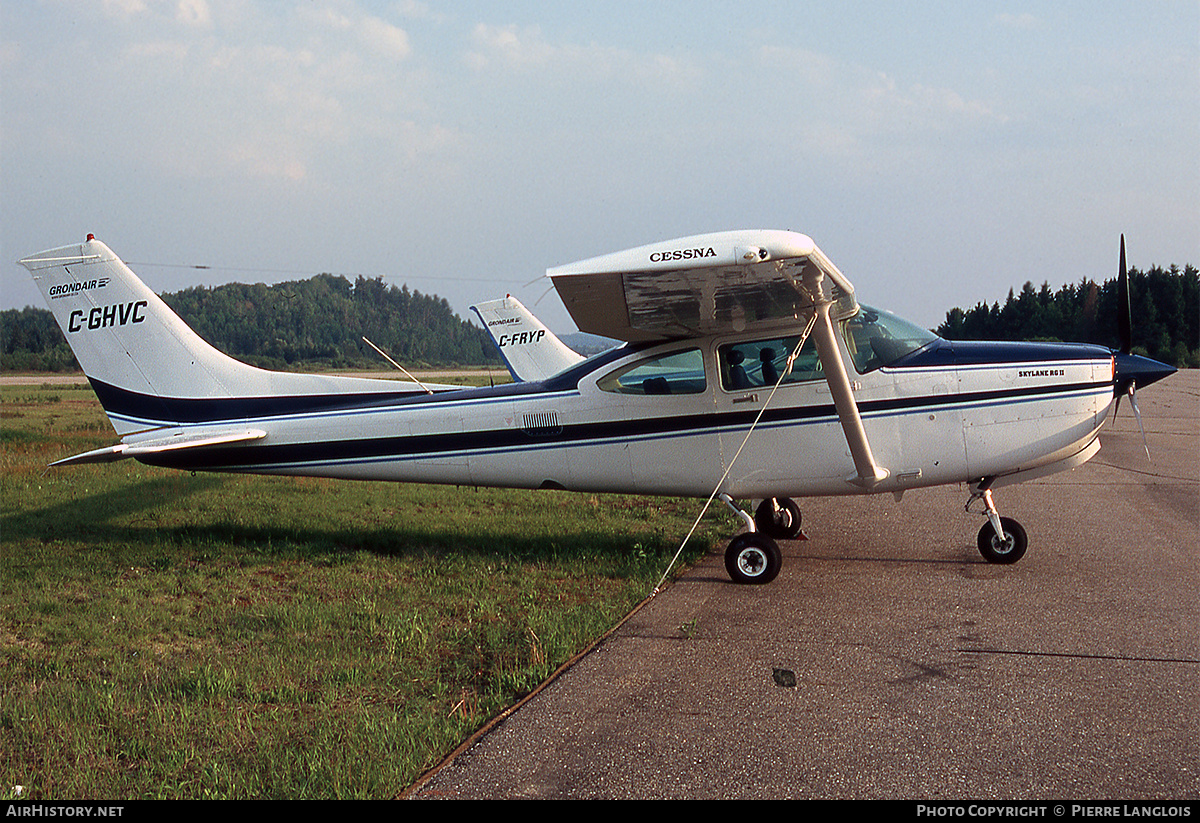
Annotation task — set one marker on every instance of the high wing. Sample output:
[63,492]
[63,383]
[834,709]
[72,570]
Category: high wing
[729,281]
[700,285]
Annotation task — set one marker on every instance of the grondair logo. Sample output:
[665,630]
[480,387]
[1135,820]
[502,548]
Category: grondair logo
[681,254]
[65,289]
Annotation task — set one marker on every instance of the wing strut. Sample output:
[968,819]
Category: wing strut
[869,473]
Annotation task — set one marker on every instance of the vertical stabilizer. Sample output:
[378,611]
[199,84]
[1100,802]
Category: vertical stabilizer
[140,356]
[122,333]
[529,349]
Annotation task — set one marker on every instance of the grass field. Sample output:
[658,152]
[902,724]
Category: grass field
[169,635]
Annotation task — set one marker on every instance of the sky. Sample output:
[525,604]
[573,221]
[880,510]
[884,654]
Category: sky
[939,153]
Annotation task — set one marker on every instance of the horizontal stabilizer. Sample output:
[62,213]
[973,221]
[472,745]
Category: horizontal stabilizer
[176,442]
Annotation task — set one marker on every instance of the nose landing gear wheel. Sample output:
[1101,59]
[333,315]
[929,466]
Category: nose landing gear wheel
[752,558]
[1010,549]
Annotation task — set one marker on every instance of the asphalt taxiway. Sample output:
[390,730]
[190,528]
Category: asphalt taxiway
[888,660]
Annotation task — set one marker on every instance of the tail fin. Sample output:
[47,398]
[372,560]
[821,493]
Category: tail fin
[141,357]
[530,350]
[122,333]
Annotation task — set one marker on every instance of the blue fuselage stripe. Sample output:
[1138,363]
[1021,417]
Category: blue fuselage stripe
[501,440]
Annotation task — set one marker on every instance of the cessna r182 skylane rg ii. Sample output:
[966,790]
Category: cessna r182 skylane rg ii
[749,371]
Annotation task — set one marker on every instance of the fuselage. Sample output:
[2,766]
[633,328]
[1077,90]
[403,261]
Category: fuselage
[673,419]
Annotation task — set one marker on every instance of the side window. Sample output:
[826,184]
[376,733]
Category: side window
[680,372]
[756,363]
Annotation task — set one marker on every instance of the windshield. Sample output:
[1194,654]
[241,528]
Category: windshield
[878,338]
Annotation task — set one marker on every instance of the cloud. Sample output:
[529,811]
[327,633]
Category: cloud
[942,104]
[191,13]
[415,10]
[123,8]
[525,50]
[800,65]
[234,92]
[194,13]
[510,46]
[384,38]
[1024,21]
[864,99]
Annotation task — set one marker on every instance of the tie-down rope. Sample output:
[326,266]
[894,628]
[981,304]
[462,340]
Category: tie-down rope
[788,370]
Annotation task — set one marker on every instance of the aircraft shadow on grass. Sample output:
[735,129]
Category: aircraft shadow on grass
[130,515]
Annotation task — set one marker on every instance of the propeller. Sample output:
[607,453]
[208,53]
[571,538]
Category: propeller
[1132,370]
[1125,312]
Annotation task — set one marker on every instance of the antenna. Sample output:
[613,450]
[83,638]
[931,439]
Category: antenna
[383,354]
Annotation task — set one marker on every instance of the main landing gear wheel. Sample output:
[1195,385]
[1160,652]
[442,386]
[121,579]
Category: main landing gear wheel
[753,558]
[1010,549]
[778,518]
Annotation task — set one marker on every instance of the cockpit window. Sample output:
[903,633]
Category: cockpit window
[878,338]
[756,363]
[678,372]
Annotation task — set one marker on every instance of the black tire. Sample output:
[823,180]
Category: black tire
[1007,551]
[782,523]
[753,558]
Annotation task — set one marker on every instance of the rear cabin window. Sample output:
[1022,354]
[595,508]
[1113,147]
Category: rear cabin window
[680,372]
[756,363]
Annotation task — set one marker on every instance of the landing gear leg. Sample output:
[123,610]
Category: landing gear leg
[747,519]
[752,557]
[1002,539]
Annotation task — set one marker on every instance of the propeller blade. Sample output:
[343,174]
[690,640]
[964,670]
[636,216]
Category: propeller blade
[1125,312]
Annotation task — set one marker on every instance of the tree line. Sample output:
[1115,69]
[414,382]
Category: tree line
[1164,307]
[320,322]
[309,324]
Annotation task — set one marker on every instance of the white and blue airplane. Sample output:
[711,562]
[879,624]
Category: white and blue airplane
[747,371]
